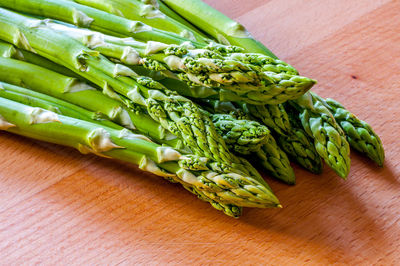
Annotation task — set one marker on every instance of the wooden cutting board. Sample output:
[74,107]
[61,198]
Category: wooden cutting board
[60,207]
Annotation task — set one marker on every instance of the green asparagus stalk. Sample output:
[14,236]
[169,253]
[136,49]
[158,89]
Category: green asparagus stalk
[23,73]
[330,140]
[222,28]
[175,113]
[359,134]
[72,56]
[146,13]
[191,171]
[93,96]
[84,16]
[203,92]
[209,67]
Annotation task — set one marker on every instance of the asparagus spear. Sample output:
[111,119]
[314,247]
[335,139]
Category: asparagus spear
[84,16]
[359,134]
[222,186]
[44,101]
[217,24]
[209,67]
[330,140]
[146,13]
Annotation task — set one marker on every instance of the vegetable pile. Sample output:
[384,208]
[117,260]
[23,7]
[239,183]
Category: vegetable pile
[174,87]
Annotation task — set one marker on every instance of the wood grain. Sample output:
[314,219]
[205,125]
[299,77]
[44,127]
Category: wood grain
[60,207]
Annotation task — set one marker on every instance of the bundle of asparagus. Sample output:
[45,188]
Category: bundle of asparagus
[173,86]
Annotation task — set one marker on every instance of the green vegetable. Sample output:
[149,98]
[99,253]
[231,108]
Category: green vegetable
[173,112]
[35,99]
[46,102]
[359,134]
[330,140]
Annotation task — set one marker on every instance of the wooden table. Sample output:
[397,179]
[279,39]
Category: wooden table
[60,207]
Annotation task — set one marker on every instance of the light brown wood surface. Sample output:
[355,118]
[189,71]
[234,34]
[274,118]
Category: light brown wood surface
[60,207]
